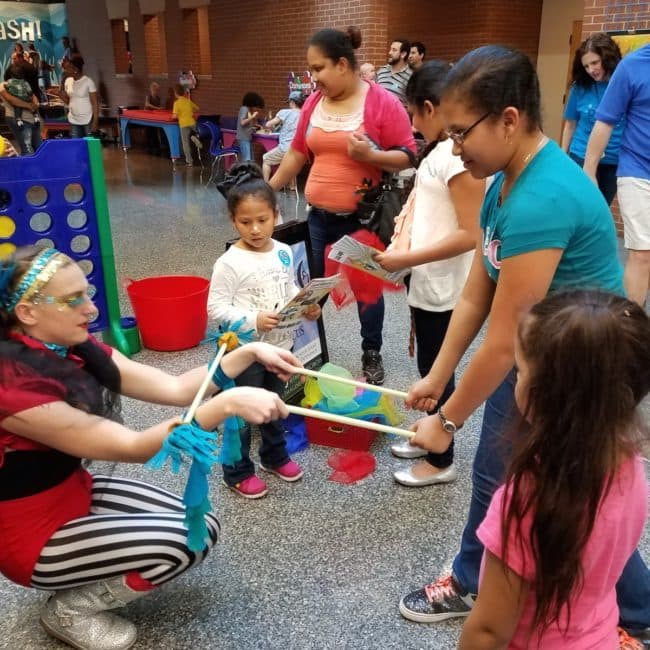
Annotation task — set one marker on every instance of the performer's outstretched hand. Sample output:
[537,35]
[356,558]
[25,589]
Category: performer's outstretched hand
[276,360]
[255,405]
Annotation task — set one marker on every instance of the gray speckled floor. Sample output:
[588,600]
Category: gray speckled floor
[313,565]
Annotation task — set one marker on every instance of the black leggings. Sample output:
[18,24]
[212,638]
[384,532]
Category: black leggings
[430,330]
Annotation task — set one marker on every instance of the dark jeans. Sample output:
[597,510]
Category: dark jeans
[606,177]
[79,130]
[273,450]
[28,137]
[326,228]
[430,330]
[633,587]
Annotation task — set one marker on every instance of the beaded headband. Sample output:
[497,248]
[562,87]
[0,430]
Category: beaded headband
[40,272]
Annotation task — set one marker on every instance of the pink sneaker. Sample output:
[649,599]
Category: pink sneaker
[251,488]
[289,472]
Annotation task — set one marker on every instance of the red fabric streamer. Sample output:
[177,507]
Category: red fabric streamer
[357,285]
[351,466]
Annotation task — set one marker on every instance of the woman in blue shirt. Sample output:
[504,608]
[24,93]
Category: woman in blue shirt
[594,63]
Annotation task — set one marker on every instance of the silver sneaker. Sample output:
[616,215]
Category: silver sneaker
[404,449]
[78,616]
[405,477]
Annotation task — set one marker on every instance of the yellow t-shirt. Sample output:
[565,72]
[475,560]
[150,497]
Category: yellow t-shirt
[184,110]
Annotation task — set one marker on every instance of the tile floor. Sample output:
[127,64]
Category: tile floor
[314,565]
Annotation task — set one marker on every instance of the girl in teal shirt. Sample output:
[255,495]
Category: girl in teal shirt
[545,227]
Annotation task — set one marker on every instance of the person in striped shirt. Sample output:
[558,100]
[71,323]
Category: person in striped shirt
[396,74]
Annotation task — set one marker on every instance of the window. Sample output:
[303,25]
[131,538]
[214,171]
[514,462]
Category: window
[121,46]
[196,37]
[154,43]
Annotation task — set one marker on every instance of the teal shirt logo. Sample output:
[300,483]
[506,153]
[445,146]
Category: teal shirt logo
[492,249]
[284,257]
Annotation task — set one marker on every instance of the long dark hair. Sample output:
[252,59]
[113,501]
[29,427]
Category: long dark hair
[588,356]
[335,44]
[426,84]
[606,48]
[491,78]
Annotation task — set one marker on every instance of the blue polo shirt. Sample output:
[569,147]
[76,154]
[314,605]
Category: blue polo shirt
[553,204]
[628,94]
[581,108]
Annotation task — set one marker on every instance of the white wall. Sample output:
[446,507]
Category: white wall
[553,58]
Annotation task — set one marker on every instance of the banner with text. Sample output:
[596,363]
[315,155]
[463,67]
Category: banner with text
[40,24]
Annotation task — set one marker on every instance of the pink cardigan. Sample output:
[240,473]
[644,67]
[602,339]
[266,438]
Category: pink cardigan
[384,119]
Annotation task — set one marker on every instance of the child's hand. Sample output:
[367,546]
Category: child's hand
[312,312]
[266,321]
[392,260]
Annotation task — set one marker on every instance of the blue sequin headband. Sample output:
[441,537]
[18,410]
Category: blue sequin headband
[38,275]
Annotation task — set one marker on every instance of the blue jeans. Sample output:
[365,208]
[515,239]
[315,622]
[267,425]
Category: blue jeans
[326,228]
[633,587]
[28,137]
[79,130]
[273,450]
[245,149]
[606,177]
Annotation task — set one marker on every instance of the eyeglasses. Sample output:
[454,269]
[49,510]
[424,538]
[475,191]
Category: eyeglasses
[67,302]
[458,137]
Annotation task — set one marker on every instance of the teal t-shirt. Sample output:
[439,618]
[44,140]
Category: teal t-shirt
[553,204]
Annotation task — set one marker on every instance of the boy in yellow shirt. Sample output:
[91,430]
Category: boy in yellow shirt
[184,109]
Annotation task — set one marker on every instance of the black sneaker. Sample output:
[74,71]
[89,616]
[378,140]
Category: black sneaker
[373,367]
[436,602]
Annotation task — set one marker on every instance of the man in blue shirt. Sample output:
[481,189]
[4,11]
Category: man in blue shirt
[628,95]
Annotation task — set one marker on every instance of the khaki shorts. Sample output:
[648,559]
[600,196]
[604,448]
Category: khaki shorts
[634,201]
[273,157]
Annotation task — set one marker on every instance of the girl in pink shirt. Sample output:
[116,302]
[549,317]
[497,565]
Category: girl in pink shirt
[559,532]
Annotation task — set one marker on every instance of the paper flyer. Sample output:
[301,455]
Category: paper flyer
[352,253]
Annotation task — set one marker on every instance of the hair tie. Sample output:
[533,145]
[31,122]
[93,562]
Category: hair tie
[239,177]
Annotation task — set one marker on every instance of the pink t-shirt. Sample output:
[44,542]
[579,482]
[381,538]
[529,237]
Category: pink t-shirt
[617,530]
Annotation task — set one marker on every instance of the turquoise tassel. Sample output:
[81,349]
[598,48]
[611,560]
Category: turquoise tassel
[197,505]
[188,442]
[231,445]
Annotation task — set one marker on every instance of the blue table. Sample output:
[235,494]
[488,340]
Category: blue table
[170,128]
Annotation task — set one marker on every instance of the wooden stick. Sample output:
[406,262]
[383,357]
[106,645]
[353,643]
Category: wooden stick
[189,416]
[342,419]
[351,382]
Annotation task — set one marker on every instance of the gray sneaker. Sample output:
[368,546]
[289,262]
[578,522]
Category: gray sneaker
[436,602]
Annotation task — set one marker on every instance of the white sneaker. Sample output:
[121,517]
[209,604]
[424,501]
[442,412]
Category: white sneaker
[404,449]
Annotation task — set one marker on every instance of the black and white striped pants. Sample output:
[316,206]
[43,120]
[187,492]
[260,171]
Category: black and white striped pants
[132,526]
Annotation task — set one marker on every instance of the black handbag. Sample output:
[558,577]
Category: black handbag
[380,204]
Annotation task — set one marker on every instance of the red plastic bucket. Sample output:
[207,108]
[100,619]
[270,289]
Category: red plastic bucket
[171,310]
